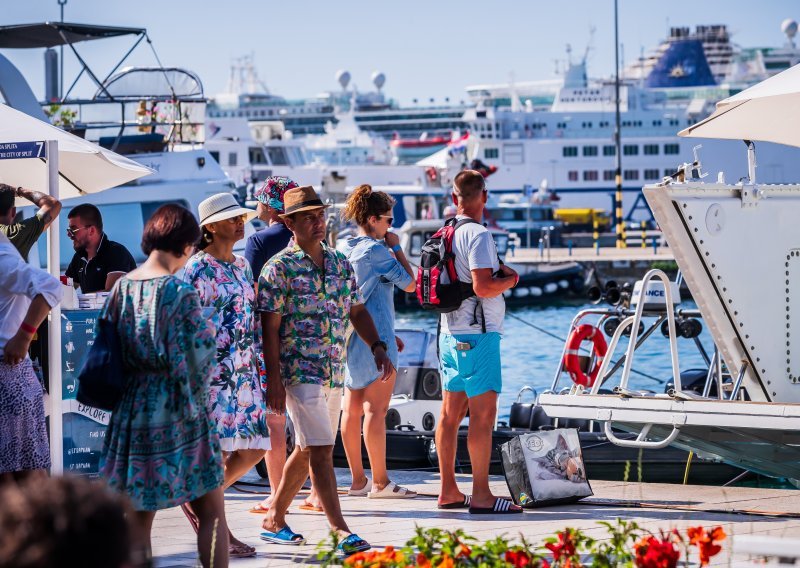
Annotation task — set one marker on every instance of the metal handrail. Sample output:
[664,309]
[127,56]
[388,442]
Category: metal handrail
[640,441]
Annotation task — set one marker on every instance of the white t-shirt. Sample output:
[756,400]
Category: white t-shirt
[474,248]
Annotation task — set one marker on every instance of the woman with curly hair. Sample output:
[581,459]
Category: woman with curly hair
[380,265]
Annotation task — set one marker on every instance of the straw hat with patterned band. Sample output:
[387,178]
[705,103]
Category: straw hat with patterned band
[301,199]
[222,206]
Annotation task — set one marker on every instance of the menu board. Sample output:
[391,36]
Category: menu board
[84,427]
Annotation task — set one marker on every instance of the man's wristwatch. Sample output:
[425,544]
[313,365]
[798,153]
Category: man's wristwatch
[379,343]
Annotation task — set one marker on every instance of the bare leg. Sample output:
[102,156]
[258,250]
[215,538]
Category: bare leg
[236,465]
[482,410]
[454,408]
[323,478]
[376,404]
[141,526]
[294,476]
[276,456]
[351,435]
[212,538]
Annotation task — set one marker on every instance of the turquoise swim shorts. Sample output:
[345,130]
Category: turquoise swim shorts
[470,363]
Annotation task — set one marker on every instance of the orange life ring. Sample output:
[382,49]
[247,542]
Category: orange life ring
[572,362]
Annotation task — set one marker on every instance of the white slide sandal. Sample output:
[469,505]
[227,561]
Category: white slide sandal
[392,491]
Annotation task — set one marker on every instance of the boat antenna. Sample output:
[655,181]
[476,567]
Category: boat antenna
[61,4]
[617,136]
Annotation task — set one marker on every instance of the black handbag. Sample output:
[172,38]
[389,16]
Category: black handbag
[101,381]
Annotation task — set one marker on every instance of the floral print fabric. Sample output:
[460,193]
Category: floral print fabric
[161,447]
[236,399]
[315,308]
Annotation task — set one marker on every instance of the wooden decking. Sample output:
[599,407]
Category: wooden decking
[392,522]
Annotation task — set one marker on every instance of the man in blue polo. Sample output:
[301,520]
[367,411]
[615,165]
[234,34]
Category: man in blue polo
[469,348]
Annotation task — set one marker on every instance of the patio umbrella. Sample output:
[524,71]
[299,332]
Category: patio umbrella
[76,168]
[767,112]
[84,167]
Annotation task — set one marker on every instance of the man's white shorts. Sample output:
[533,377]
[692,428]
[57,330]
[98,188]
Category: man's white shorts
[314,411]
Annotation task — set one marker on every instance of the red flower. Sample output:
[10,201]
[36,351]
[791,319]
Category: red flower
[517,559]
[652,552]
[564,548]
[706,542]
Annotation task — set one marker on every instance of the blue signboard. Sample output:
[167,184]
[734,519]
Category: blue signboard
[84,427]
[22,150]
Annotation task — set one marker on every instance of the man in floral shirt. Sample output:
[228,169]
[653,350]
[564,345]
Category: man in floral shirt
[307,295]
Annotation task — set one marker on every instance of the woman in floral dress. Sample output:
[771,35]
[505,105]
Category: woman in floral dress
[224,282]
[161,448]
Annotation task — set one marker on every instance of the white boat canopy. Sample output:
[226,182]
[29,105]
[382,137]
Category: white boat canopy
[766,112]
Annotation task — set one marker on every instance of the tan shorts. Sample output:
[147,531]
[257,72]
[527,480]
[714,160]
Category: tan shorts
[314,411]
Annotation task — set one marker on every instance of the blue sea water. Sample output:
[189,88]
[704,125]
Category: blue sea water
[530,356]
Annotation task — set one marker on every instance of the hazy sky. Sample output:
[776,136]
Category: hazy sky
[426,48]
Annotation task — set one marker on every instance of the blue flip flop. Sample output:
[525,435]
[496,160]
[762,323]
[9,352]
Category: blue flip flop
[351,545]
[284,536]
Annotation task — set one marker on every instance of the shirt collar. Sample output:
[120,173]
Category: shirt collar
[82,251]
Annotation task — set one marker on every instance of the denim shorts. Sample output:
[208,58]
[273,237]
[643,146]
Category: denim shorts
[475,370]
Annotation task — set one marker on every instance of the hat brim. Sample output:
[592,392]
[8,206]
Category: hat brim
[251,214]
[306,208]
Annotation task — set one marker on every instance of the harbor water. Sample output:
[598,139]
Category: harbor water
[530,355]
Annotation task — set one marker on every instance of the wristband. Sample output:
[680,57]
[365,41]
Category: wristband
[29,329]
[397,248]
[379,343]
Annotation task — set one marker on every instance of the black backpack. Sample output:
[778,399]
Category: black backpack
[437,260]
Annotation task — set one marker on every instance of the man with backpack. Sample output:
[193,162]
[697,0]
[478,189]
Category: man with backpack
[469,345]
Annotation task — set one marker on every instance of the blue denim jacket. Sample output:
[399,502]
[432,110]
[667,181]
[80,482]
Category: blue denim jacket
[377,273]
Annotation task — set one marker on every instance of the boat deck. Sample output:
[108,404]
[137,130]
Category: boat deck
[589,254]
[741,511]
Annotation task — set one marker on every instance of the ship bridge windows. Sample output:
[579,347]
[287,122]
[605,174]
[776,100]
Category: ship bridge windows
[513,154]
[569,151]
[672,149]
[630,150]
[609,150]
[651,174]
[650,149]
[590,151]
[630,175]
[257,155]
[590,175]
[277,156]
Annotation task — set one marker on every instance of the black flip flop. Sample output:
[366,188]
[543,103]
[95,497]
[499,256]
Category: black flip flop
[458,504]
[501,507]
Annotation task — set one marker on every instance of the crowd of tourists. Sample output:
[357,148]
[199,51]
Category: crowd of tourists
[217,349]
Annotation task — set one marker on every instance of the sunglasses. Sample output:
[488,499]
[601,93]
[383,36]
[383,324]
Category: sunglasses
[234,220]
[71,231]
[388,218]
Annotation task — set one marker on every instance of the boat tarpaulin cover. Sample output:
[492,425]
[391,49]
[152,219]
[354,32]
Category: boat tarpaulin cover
[51,34]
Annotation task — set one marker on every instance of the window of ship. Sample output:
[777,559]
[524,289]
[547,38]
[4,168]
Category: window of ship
[590,175]
[609,150]
[521,214]
[608,175]
[569,151]
[651,174]
[257,155]
[513,154]
[590,150]
[572,175]
[604,124]
[630,175]
[651,149]
[669,172]
[656,123]
[231,158]
[561,125]
[491,153]
[630,150]
[277,156]
[672,149]
[215,155]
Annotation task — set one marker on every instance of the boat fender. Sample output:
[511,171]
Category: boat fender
[432,174]
[572,362]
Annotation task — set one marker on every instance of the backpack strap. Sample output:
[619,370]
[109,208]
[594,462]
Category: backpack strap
[466,288]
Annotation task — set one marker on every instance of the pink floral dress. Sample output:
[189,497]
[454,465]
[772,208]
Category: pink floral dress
[236,399]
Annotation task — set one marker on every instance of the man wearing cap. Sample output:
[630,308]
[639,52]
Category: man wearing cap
[307,294]
[267,242]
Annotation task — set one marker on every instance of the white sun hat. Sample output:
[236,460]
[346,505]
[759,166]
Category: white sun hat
[222,206]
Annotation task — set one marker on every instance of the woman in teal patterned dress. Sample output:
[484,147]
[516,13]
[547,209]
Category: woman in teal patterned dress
[161,447]
[236,399]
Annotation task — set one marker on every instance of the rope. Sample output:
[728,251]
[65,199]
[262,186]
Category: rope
[561,339]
